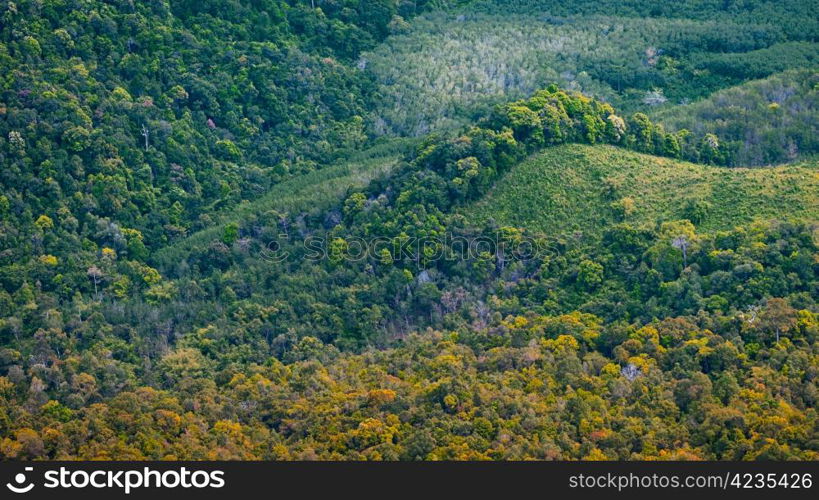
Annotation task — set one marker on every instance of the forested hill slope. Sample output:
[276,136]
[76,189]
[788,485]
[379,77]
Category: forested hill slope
[588,188]
[147,116]
[653,342]
[126,126]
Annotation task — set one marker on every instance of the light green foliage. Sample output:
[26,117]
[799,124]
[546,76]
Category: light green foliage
[572,188]
[590,273]
[762,122]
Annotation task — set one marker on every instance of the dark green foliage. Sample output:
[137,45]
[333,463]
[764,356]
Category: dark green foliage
[794,17]
[157,113]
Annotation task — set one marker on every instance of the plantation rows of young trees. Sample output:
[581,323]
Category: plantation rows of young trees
[454,65]
[650,342]
[793,17]
[764,122]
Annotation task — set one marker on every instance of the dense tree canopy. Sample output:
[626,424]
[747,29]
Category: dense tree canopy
[207,251]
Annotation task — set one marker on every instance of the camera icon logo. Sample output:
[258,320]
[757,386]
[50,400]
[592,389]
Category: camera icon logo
[20,479]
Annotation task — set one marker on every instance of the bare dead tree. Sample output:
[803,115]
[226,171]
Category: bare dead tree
[681,242]
[96,275]
[145,134]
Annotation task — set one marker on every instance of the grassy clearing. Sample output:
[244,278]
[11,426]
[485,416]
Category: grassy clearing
[583,188]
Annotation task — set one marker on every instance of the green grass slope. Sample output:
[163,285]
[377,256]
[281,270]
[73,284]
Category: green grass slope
[585,188]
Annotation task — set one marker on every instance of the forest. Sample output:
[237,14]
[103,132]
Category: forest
[409,230]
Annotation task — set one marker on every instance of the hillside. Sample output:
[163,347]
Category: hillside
[308,195]
[619,349]
[582,188]
[151,115]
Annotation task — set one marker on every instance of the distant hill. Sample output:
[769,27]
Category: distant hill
[585,188]
[449,66]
